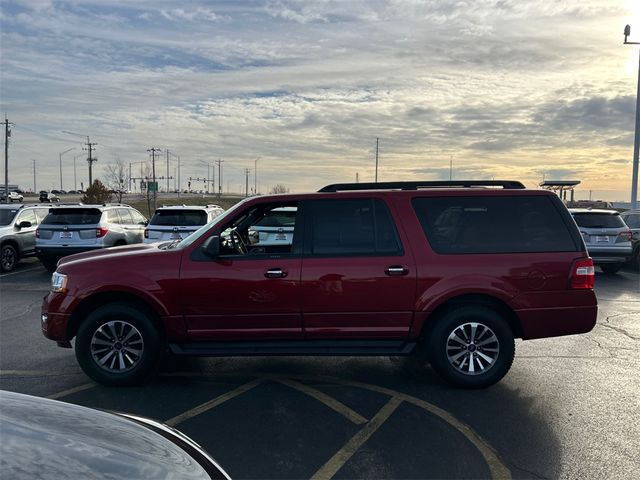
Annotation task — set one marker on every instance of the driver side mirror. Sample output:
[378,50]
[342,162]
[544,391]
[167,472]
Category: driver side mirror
[211,246]
[24,224]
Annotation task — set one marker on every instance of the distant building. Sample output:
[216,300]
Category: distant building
[561,187]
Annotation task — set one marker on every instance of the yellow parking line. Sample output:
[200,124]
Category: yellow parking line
[330,402]
[71,391]
[172,422]
[335,463]
[498,469]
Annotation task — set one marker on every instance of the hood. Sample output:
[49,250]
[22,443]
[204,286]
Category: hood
[123,250]
[55,440]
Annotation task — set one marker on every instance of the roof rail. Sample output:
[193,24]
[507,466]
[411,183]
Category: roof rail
[505,184]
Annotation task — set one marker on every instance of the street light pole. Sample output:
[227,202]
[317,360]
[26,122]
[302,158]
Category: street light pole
[636,143]
[255,176]
[60,158]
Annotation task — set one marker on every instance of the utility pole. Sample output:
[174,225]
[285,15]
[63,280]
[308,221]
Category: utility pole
[357,177]
[7,134]
[60,158]
[90,159]
[34,175]
[255,176]
[246,181]
[636,142]
[153,151]
[450,167]
[219,162]
[377,139]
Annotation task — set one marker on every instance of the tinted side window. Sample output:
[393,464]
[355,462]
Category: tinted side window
[490,224]
[125,216]
[112,216]
[633,220]
[138,218]
[353,227]
[27,216]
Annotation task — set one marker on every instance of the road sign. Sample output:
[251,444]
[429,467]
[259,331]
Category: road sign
[153,186]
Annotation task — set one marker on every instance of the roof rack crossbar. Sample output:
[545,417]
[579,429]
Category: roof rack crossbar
[505,184]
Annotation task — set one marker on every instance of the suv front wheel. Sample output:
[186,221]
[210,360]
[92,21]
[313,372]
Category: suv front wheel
[118,345]
[471,347]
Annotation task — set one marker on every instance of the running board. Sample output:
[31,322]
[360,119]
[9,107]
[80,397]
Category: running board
[295,347]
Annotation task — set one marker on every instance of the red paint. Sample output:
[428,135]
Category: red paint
[346,297]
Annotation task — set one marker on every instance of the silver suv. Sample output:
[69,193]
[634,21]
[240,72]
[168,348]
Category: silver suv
[607,237]
[80,228]
[177,222]
[18,232]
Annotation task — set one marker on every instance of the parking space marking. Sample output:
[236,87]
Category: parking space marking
[21,271]
[71,391]
[329,401]
[335,463]
[172,422]
[496,467]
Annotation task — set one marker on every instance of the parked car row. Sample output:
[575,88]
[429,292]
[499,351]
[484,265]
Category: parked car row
[54,232]
[13,197]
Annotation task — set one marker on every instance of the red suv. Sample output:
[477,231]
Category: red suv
[459,268]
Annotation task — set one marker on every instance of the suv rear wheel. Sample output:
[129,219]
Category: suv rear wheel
[118,345]
[471,347]
[611,268]
[8,257]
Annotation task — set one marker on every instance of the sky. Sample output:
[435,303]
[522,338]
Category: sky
[507,89]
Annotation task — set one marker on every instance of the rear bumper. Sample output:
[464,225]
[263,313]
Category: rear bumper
[56,253]
[557,321]
[610,255]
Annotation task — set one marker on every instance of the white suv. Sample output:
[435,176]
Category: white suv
[178,221]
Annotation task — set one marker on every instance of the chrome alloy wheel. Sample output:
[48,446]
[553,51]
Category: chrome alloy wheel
[117,346]
[472,348]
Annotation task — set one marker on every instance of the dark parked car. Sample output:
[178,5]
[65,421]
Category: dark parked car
[371,269]
[51,440]
[48,197]
[632,219]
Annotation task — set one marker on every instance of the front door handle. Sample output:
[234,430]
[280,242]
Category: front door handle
[396,270]
[275,273]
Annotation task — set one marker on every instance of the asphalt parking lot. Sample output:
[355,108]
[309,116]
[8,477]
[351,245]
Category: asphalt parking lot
[567,409]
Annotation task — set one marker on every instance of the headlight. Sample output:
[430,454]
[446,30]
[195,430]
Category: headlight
[58,282]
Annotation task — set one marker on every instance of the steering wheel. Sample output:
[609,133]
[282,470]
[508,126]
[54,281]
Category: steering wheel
[237,242]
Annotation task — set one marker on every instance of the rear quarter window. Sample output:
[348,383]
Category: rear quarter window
[493,224]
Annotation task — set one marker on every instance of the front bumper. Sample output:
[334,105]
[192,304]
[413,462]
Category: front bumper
[53,324]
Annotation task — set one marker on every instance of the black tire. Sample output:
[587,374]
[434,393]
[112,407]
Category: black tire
[93,337]
[8,257]
[49,265]
[442,346]
[611,268]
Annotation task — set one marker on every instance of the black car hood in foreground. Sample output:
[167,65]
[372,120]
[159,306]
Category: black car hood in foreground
[47,439]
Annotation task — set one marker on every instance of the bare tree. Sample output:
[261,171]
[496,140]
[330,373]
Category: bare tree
[117,176]
[279,188]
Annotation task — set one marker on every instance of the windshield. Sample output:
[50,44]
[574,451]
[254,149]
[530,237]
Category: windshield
[7,216]
[220,218]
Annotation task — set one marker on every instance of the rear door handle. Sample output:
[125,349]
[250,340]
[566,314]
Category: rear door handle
[275,273]
[396,270]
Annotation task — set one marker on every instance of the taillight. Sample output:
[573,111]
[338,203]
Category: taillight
[583,273]
[101,232]
[626,236]
[37,233]
[146,233]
